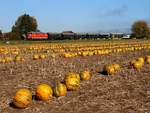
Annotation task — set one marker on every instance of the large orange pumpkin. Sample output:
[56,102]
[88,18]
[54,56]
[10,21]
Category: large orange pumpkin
[22,98]
[44,92]
[60,90]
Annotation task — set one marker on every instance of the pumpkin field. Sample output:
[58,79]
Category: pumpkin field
[75,77]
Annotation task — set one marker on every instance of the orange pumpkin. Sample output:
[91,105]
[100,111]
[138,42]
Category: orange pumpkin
[109,69]
[22,98]
[72,83]
[85,75]
[44,92]
[147,59]
[42,56]
[116,67]
[140,59]
[35,56]
[19,58]
[8,59]
[137,65]
[60,90]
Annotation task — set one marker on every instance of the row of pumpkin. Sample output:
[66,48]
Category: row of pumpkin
[23,97]
[135,63]
[43,51]
[19,58]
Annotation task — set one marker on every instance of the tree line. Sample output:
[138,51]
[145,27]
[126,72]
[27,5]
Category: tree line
[26,23]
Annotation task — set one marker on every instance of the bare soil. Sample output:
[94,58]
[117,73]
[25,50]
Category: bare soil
[128,91]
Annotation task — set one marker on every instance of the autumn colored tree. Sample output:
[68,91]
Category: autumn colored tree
[24,24]
[140,29]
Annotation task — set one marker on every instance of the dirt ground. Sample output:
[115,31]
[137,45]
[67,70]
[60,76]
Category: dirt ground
[128,91]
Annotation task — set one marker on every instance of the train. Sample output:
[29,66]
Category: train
[36,35]
[71,35]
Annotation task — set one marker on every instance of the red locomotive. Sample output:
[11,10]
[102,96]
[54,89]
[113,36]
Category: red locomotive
[36,35]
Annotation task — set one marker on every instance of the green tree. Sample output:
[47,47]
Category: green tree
[140,29]
[24,24]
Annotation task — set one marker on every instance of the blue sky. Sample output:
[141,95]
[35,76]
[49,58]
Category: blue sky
[76,15]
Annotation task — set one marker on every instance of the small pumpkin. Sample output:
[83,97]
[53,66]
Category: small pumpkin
[42,56]
[8,59]
[137,65]
[116,67]
[18,58]
[3,60]
[140,59]
[72,83]
[22,98]
[109,69]
[147,59]
[44,92]
[85,75]
[35,56]
[60,90]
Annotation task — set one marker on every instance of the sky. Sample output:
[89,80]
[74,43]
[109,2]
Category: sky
[76,15]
